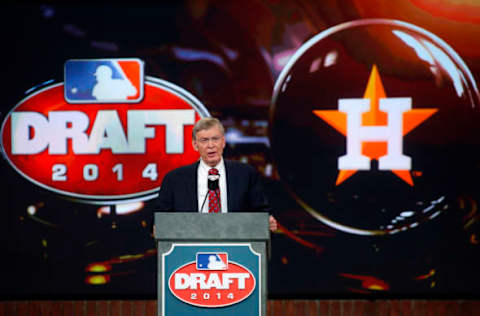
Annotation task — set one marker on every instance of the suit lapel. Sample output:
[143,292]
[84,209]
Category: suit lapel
[192,186]
[230,174]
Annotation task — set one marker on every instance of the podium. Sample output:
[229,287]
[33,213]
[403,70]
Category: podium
[212,264]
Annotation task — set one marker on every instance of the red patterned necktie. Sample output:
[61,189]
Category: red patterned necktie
[214,196]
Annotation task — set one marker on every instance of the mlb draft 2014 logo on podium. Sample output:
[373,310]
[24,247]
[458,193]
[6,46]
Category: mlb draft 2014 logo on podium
[223,278]
[106,134]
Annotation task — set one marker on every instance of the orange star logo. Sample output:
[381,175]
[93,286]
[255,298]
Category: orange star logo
[374,117]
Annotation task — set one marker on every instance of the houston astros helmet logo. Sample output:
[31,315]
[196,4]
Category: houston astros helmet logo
[374,127]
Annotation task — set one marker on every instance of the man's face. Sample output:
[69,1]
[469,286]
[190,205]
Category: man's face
[210,143]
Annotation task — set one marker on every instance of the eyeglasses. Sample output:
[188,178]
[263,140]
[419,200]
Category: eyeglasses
[205,140]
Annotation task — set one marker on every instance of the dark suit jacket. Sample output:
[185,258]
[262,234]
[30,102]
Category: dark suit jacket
[244,190]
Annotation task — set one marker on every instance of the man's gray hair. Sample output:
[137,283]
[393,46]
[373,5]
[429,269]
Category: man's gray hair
[206,123]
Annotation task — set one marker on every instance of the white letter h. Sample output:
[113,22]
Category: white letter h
[391,133]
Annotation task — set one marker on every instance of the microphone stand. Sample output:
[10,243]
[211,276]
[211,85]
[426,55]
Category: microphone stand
[212,185]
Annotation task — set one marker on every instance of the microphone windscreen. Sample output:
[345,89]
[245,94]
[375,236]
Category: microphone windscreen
[212,184]
[213,177]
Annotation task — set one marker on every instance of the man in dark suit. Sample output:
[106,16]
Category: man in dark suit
[237,185]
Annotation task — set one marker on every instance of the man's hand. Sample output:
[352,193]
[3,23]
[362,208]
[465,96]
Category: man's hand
[272,223]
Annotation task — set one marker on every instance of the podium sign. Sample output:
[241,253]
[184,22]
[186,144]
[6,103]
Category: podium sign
[211,279]
[212,264]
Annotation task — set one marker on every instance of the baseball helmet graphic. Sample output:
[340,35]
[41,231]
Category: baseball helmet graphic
[379,63]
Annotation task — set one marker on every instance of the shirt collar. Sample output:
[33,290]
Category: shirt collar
[220,166]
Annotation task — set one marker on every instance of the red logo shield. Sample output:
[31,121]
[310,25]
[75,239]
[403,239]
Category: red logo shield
[214,288]
[102,153]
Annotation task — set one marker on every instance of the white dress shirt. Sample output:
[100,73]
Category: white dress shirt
[202,185]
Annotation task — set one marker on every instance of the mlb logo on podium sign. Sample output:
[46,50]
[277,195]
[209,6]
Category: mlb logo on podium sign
[212,261]
[104,80]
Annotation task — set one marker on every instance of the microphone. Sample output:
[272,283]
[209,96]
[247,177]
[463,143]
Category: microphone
[213,181]
[212,185]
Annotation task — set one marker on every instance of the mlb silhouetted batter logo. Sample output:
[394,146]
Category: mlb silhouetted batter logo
[374,127]
[104,80]
[212,261]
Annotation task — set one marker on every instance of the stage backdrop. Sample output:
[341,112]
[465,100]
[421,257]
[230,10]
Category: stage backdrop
[362,118]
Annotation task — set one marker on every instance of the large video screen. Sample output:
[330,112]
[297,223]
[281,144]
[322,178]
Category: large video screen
[361,117]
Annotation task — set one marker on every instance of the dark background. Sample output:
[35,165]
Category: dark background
[228,54]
